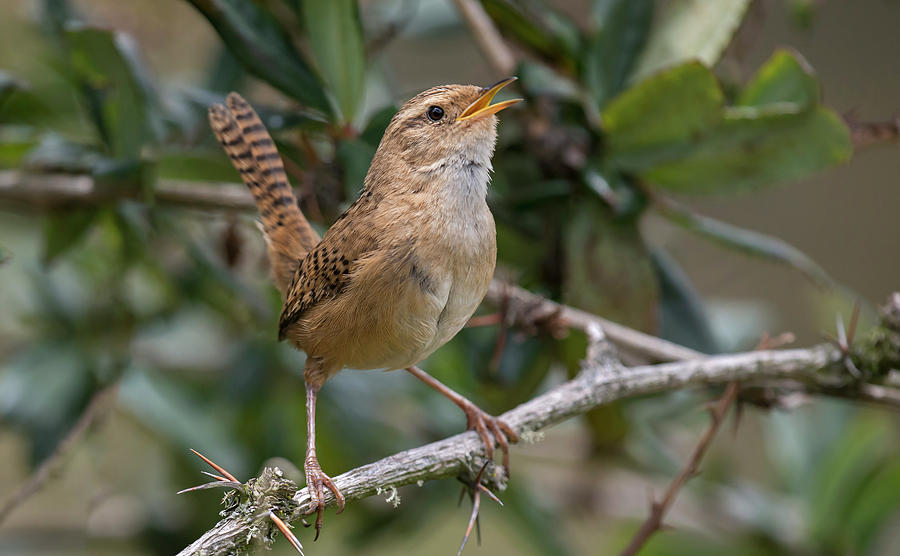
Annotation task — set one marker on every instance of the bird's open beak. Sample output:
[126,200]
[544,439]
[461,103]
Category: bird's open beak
[482,106]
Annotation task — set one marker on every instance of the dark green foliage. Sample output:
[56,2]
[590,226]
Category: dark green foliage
[176,304]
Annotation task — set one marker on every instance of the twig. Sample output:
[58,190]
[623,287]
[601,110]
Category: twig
[658,510]
[866,134]
[633,346]
[489,40]
[48,468]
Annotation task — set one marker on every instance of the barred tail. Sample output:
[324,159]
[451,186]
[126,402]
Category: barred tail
[245,139]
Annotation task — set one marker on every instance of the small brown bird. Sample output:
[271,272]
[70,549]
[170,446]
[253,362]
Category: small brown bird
[403,269]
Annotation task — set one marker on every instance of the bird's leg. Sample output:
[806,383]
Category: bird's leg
[316,480]
[476,418]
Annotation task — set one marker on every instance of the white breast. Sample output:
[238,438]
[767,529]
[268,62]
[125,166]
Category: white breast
[468,238]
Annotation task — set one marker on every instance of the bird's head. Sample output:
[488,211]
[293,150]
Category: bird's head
[444,127]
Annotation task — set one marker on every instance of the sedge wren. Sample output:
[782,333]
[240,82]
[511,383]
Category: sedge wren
[402,270]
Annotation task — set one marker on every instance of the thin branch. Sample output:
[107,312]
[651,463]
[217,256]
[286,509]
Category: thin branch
[866,134]
[100,401]
[634,346]
[658,509]
[52,190]
[488,37]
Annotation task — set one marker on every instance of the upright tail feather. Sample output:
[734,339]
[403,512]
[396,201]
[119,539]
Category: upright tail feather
[288,234]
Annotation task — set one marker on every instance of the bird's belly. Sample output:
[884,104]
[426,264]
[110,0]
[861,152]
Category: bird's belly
[399,328]
[461,303]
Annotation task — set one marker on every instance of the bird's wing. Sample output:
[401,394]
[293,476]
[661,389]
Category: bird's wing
[327,269]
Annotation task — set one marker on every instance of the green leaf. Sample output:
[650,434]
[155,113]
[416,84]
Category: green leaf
[608,270]
[618,35]
[65,229]
[335,35]
[672,106]
[13,152]
[785,77]
[257,41]
[755,147]
[116,89]
[540,80]
[874,509]
[841,475]
[55,154]
[378,123]
[745,241]
[682,316]
[9,85]
[43,389]
[207,165]
[355,156]
[539,28]
[689,30]
[166,408]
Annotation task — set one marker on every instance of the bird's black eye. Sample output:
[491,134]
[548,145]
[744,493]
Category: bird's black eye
[435,113]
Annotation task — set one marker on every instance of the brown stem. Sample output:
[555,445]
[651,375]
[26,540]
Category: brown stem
[658,509]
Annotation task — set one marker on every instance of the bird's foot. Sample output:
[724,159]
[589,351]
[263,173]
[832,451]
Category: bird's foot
[316,482]
[488,426]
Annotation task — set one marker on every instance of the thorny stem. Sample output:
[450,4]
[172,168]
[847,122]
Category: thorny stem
[658,509]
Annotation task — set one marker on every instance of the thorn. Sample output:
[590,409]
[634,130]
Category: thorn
[851,368]
[217,484]
[842,334]
[478,530]
[476,503]
[854,318]
[214,476]
[215,466]
[286,531]
[490,494]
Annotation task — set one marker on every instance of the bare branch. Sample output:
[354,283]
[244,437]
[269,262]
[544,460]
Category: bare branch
[602,380]
[866,134]
[49,190]
[634,346]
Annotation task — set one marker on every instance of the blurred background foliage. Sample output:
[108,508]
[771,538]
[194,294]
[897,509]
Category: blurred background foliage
[637,181]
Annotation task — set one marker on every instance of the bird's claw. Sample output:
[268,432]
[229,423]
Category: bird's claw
[316,482]
[488,426]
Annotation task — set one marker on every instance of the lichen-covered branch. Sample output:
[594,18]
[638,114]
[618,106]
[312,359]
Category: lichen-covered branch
[602,380]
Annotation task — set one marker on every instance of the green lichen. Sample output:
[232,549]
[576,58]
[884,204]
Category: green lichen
[878,352]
